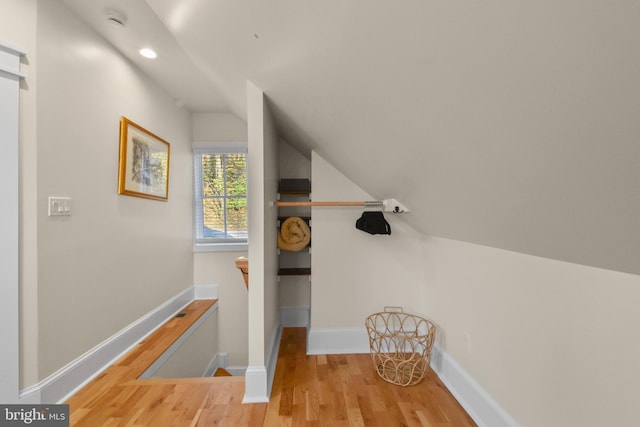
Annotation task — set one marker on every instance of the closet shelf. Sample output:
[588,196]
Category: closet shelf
[294,271]
[306,249]
[294,189]
[294,186]
[305,218]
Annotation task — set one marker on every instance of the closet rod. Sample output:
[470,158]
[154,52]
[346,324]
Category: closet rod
[387,205]
[289,204]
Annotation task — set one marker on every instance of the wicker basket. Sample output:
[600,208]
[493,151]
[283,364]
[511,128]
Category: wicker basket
[400,345]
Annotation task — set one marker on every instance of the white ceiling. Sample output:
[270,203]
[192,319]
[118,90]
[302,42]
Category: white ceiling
[509,124]
[173,69]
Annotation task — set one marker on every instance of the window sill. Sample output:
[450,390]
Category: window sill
[220,247]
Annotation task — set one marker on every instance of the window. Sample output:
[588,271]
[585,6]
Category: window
[221,197]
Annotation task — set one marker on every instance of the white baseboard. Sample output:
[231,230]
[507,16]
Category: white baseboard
[484,410]
[63,383]
[294,316]
[30,395]
[255,380]
[259,379]
[337,341]
[480,406]
[237,371]
[273,358]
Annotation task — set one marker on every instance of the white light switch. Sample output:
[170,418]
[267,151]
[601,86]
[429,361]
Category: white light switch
[59,206]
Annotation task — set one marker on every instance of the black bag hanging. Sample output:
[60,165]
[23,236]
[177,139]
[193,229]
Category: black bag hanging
[373,223]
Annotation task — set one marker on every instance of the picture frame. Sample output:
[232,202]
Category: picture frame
[143,169]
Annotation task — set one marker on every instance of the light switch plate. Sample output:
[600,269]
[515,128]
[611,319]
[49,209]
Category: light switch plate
[59,206]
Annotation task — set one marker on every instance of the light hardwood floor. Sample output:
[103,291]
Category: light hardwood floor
[317,390]
[344,390]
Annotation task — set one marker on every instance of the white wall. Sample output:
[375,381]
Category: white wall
[263,286]
[116,257]
[256,223]
[508,124]
[218,127]
[554,343]
[354,273]
[219,267]
[551,342]
[271,285]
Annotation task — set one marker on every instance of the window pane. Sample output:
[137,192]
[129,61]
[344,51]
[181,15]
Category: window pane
[237,217]
[222,194]
[236,174]
[213,216]
[212,175]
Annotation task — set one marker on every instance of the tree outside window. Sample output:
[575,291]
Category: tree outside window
[222,197]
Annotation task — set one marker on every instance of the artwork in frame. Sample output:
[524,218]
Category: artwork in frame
[144,162]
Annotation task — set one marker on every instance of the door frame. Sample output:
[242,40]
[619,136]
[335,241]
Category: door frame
[10,77]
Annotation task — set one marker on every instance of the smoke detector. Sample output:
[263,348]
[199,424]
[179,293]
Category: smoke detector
[115,18]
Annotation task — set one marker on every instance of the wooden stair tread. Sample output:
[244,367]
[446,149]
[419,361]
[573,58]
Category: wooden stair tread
[221,372]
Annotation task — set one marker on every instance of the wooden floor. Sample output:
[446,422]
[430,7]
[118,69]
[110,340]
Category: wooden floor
[320,390]
[344,390]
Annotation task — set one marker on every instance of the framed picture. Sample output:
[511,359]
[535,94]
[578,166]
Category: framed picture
[144,162]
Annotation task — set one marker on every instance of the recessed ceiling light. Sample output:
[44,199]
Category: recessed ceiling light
[148,53]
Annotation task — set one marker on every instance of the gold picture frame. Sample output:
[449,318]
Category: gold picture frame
[143,169]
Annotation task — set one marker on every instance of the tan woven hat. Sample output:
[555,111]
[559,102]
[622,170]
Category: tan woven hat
[294,234]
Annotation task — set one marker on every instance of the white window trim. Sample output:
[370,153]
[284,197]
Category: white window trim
[220,247]
[219,148]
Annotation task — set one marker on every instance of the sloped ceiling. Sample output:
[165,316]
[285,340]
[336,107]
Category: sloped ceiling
[508,124]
